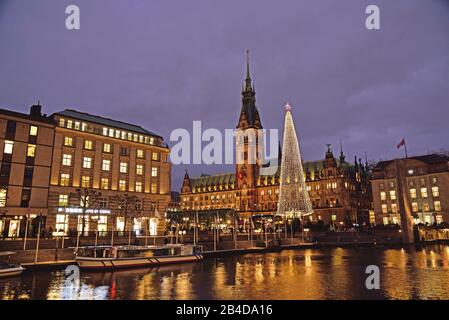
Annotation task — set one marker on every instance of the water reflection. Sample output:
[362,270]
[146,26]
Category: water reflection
[328,273]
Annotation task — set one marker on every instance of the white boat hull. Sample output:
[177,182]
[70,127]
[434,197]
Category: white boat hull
[105,263]
[11,272]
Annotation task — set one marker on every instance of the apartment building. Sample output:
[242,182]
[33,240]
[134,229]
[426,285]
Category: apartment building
[26,148]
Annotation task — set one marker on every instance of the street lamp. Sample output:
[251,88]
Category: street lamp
[57,235]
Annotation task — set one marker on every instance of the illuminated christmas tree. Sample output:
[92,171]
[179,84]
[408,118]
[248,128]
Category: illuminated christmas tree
[294,200]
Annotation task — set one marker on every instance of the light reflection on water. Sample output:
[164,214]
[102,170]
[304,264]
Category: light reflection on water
[326,273]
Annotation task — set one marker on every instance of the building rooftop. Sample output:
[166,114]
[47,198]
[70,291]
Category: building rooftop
[428,158]
[105,121]
[34,116]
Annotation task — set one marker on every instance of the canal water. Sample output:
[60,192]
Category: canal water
[324,273]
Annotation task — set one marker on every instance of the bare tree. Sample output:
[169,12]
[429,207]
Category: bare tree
[129,207]
[89,199]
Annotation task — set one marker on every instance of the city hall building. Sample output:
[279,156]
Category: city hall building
[339,191]
[48,162]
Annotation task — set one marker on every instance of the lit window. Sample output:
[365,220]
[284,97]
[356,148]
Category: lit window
[135,138]
[9,145]
[88,144]
[138,186]
[424,192]
[106,147]
[392,194]
[155,156]
[154,187]
[83,126]
[435,192]
[69,124]
[85,182]
[66,159]
[434,180]
[139,169]
[415,207]
[77,125]
[123,167]
[104,183]
[410,171]
[151,140]
[105,131]
[130,136]
[437,205]
[334,217]
[106,166]
[426,207]
[122,185]
[117,134]
[68,142]
[439,218]
[394,208]
[63,200]
[87,162]
[3,192]
[33,130]
[65,178]
[154,172]
[383,196]
[61,223]
[413,193]
[102,224]
[384,209]
[61,122]
[141,139]
[385,220]
[31,151]
[111,133]
[123,135]
[139,153]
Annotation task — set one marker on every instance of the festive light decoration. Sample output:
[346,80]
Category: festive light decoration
[294,200]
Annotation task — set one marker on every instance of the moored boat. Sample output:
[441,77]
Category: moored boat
[120,257]
[8,269]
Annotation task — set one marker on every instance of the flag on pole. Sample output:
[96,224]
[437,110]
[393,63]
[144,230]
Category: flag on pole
[401,143]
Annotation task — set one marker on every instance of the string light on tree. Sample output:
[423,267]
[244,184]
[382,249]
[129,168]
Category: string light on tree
[294,200]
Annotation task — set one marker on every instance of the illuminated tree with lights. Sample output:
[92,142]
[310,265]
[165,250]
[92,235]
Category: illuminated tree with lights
[294,200]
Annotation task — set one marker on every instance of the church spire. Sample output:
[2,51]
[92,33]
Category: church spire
[342,155]
[248,81]
[249,115]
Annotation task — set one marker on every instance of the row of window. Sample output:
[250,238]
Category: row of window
[422,181]
[413,193]
[106,165]
[415,207]
[105,185]
[9,147]
[89,145]
[101,221]
[107,132]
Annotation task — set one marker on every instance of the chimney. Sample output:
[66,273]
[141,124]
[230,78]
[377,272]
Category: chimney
[35,110]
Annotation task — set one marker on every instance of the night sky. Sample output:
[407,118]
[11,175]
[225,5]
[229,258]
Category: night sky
[162,64]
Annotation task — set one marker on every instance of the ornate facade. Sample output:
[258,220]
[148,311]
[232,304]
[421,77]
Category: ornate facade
[339,190]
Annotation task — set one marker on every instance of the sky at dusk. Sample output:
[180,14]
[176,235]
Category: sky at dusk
[162,64]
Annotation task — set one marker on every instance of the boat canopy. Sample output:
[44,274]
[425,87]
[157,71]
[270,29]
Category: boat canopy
[6,253]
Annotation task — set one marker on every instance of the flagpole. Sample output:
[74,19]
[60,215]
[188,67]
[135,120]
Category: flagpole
[405,148]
